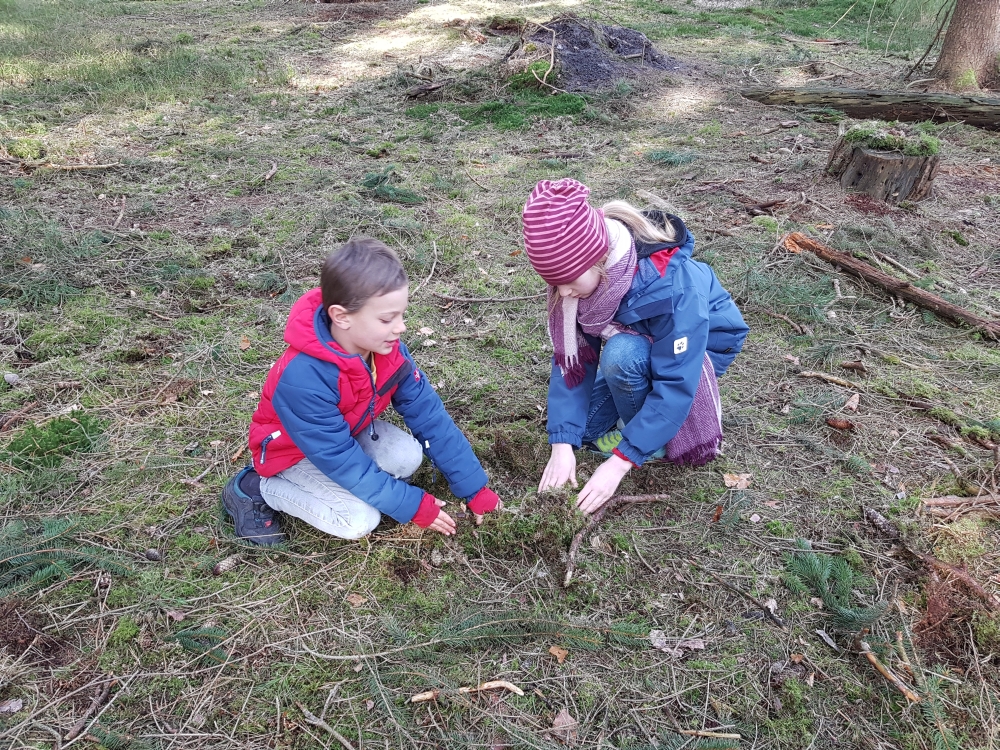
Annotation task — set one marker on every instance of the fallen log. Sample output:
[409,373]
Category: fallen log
[797,242]
[910,106]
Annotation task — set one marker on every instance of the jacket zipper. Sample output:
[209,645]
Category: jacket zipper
[263,444]
[371,404]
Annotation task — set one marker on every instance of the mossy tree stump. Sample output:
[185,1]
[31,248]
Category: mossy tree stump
[887,175]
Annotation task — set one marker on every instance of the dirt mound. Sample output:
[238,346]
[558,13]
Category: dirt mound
[592,56]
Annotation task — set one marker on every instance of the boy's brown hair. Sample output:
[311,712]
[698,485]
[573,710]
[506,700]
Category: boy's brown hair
[363,268]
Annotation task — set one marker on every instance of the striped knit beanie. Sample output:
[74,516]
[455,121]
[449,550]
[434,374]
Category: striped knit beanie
[563,235]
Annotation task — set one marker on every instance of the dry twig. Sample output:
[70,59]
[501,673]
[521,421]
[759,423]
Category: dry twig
[488,299]
[595,518]
[712,735]
[431,695]
[315,721]
[749,597]
[95,704]
[829,379]
[864,648]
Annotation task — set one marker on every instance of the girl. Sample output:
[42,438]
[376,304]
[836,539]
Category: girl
[640,332]
[319,453]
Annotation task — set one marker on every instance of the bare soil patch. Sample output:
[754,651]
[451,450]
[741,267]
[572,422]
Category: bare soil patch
[592,56]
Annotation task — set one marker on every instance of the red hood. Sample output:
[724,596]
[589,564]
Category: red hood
[305,327]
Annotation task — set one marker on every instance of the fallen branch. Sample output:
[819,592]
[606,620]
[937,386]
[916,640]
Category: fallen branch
[78,167]
[315,721]
[865,649]
[749,597]
[95,704]
[488,299]
[595,518]
[884,526]
[954,501]
[797,327]
[272,171]
[829,379]
[196,482]
[714,735]
[15,418]
[433,266]
[431,695]
[796,242]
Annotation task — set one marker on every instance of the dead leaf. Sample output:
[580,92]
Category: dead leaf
[755,518]
[718,514]
[737,481]
[244,342]
[852,402]
[793,359]
[789,123]
[358,667]
[11,706]
[175,615]
[811,679]
[816,602]
[559,653]
[840,424]
[771,605]
[369,704]
[796,658]
[516,253]
[355,600]
[429,342]
[564,727]
[772,504]
[425,331]
[660,641]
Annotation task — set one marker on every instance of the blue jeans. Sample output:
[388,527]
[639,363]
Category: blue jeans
[624,379]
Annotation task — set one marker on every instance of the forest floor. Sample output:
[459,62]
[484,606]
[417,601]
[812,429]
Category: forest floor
[142,302]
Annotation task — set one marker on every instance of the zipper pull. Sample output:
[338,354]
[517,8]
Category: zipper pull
[263,444]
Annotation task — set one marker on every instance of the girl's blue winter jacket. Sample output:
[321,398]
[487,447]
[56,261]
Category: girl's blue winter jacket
[679,303]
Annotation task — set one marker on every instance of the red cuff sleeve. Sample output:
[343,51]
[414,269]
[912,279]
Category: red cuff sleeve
[484,501]
[623,457]
[426,512]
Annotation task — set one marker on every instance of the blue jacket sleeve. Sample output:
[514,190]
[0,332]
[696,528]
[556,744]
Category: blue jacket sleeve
[568,407]
[314,422]
[678,352]
[422,411]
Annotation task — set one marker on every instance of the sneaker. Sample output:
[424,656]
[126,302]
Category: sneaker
[606,443]
[253,519]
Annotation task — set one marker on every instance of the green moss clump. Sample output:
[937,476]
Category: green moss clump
[47,445]
[126,630]
[26,148]
[883,136]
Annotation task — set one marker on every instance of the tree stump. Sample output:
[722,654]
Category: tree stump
[889,176]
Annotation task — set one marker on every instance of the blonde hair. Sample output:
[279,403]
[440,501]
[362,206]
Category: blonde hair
[642,228]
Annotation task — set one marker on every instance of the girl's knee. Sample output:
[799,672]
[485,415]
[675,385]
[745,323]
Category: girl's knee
[362,525]
[410,458]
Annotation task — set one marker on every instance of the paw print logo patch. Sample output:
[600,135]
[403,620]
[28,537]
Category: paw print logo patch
[681,345]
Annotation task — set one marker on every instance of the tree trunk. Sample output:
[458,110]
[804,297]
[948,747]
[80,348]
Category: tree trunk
[970,53]
[889,177]
[888,105]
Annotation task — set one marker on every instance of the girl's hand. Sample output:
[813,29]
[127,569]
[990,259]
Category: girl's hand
[443,524]
[602,484]
[560,469]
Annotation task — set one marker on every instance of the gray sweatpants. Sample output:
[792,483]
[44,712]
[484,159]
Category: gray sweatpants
[306,492]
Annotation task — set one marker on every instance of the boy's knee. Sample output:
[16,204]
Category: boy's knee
[411,455]
[363,525]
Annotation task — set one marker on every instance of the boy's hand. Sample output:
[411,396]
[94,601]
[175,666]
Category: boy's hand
[602,484]
[560,469]
[483,502]
[430,516]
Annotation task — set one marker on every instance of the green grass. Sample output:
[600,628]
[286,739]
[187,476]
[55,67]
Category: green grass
[163,325]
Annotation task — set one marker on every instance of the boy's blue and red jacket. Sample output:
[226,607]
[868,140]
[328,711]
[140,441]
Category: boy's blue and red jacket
[317,398]
[681,306]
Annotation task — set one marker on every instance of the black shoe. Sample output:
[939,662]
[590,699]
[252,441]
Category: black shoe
[252,518]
